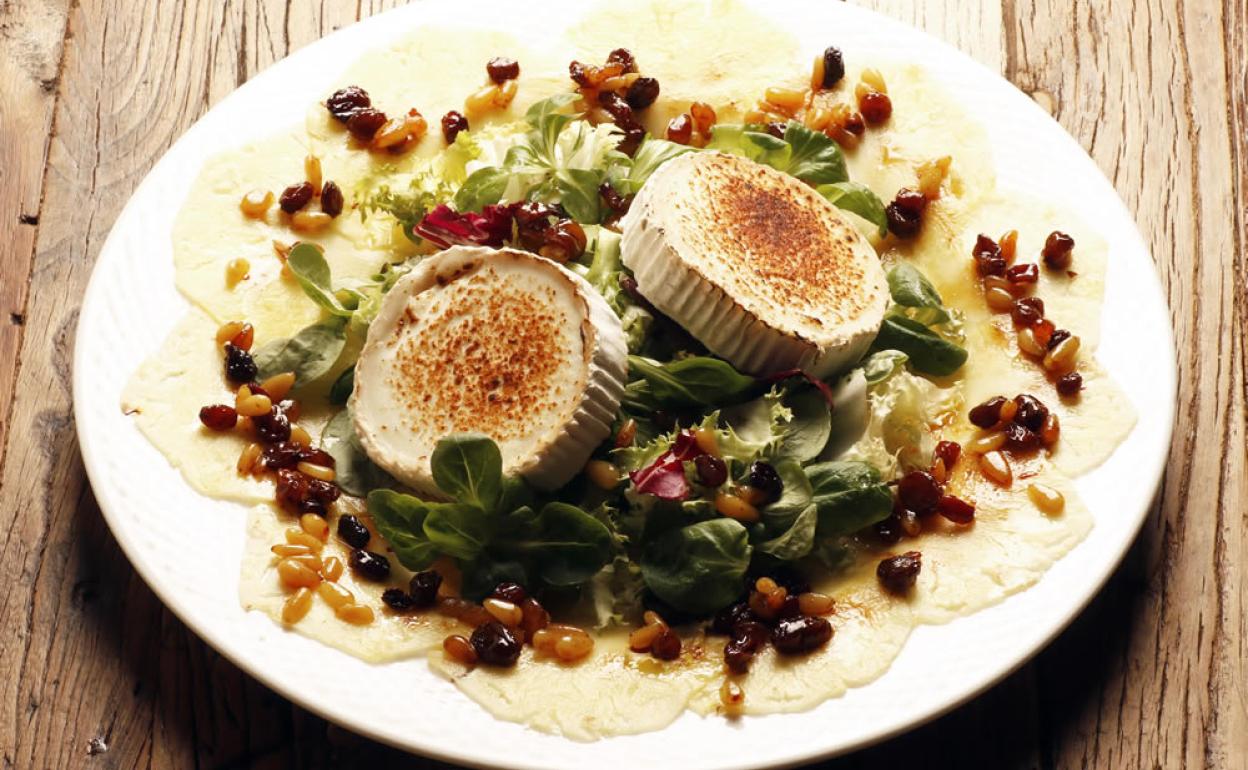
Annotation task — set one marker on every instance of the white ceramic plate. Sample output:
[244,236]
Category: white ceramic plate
[176,539]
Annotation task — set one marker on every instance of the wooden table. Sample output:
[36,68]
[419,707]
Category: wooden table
[95,672]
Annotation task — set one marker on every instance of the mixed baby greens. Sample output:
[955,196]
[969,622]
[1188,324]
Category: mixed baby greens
[657,536]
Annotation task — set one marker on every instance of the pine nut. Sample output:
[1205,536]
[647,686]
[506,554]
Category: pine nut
[544,640]
[989,442]
[1061,359]
[1050,430]
[505,94]
[503,611]
[1028,343]
[707,441]
[703,115]
[628,432]
[335,595]
[250,455]
[735,508]
[752,495]
[296,606]
[938,471]
[309,560]
[256,203]
[732,697]
[300,436]
[776,598]
[331,568]
[312,172]
[480,101]
[874,79]
[236,270]
[811,603]
[755,117]
[279,385]
[254,406]
[288,549]
[816,74]
[314,525]
[1008,410]
[994,466]
[603,474]
[1000,300]
[310,221]
[786,98]
[233,333]
[765,585]
[641,639]
[460,649]
[818,118]
[293,574]
[1047,499]
[355,614]
[316,471]
[931,175]
[1008,244]
[573,644]
[652,618]
[299,537]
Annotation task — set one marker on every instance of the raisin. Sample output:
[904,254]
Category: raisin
[296,197]
[345,102]
[833,66]
[763,476]
[727,619]
[370,565]
[909,523]
[501,69]
[452,123]
[1056,252]
[1031,412]
[1023,274]
[1027,311]
[533,618]
[777,129]
[948,452]
[712,471]
[889,530]
[747,639]
[802,634]
[510,592]
[424,587]
[273,427]
[366,122]
[642,93]
[680,129]
[898,573]
[579,74]
[239,365]
[905,213]
[353,532]
[218,417]
[988,257]
[616,107]
[1020,438]
[292,488]
[397,599]
[283,454]
[613,199]
[624,58]
[988,413]
[495,644]
[956,509]
[1070,384]
[331,199]
[666,646]
[1057,338]
[875,107]
[854,124]
[787,577]
[918,491]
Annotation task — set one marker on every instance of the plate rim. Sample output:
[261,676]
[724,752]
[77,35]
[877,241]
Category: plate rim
[90,444]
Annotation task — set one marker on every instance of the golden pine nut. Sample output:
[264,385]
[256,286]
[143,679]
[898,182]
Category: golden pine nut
[480,101]
[603,474]
[300,436]
[641,639]
[996,468]
[1008,244]
[1050,430]
[938,470]
[296,575]
[931,175]
[355,614]
[312,172]
[818,118]
[789,99]
[249,457]
[707,441]
[1008,410]
[236,270]
[256,203]
[279,385]
[816,74]
[544,641]
[1061,359]
[755,117]
[316,471]
[752,495]
[874,79]
[254,406]
[812,603]
[460,649]
[732,697]
[332,568]
[573,644]
[228,331]
[1047,499]
[703,115]
[335,595]
[310,221]
[503,611]
[765,585]
[296,606]
[314,525]
[989,442]
[296,536]
[1028,343]
[309,560]
[652,618]
[290,549]
[628,432]
[735,508]
[505,93]
[999,300]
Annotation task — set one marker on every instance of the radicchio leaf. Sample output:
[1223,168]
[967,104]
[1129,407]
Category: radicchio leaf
[443,226]
[665,477]
[823,387]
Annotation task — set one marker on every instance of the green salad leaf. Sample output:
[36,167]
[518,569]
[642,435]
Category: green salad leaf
[341,390]
[910,288]
[469,468]
[814,157]
[848,496]
[795,497]
[881,365]
[797,540]
[566,545]
[698,568]
[858,199]
[697,381]
[460,530]
[484,187]
[928,352]
[308,264]
[354,472]
[401,520]
[649,156]
[310,354]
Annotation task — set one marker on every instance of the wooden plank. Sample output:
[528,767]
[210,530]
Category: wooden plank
[31,45]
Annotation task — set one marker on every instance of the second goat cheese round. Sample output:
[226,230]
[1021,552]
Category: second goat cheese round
[500,342]
[755,264]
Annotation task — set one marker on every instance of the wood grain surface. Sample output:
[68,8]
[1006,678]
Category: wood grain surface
[94,672]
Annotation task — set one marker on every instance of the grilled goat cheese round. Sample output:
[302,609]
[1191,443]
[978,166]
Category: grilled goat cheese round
[500,342]
[754,264]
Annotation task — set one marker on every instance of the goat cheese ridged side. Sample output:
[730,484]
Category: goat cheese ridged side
[500,342]
[754,264]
